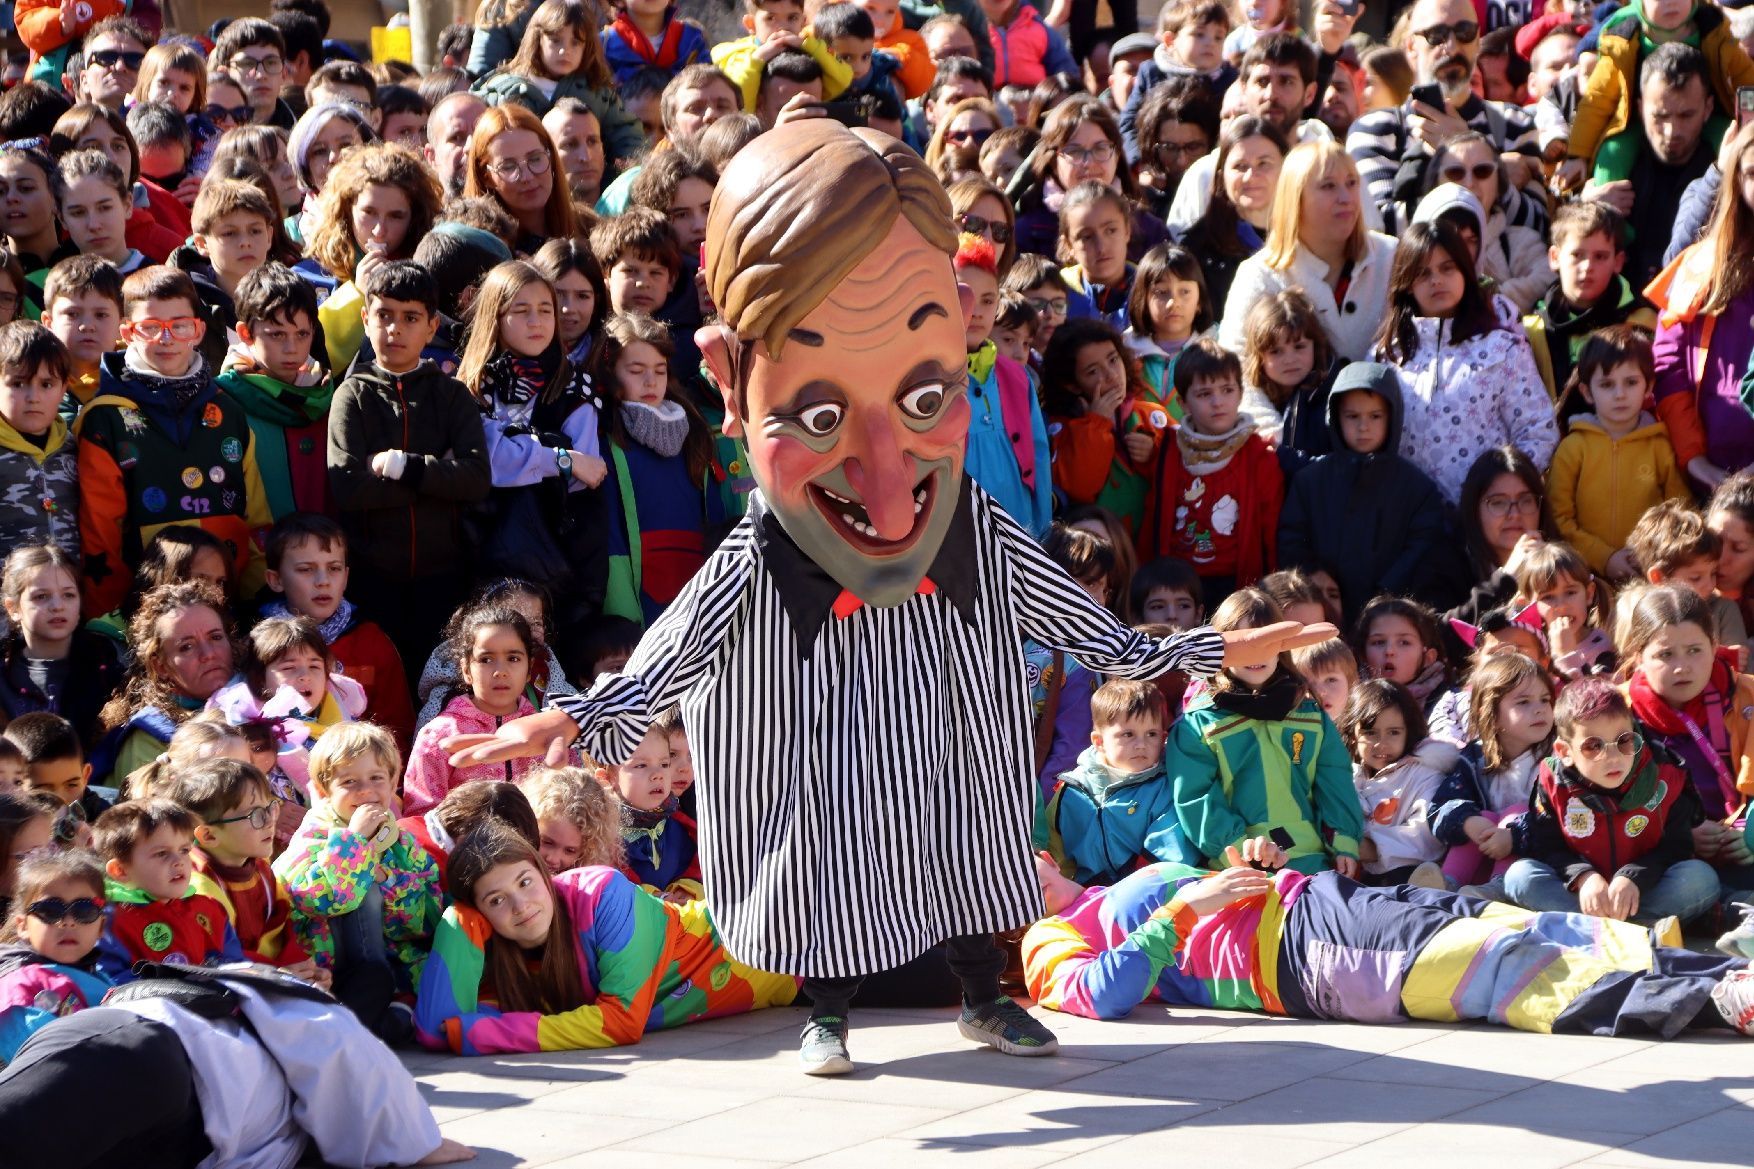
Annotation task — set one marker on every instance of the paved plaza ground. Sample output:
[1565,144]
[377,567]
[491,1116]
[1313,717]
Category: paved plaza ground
[1162,1090]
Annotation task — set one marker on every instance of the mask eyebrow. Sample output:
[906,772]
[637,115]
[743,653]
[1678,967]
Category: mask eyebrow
[806,337]
[925,313]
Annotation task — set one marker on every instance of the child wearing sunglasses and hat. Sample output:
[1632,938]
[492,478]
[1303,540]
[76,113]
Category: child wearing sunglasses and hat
[1610,821]
[234,841]
[48,946]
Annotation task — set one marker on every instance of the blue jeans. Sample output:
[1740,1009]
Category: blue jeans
[1685,891]
[365,979]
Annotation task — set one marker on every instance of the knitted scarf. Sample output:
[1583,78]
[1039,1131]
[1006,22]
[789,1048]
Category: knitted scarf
[181,390]
[512,379]
[295,404]
[1206,454]
[339,622]
[661,429]
[647,826]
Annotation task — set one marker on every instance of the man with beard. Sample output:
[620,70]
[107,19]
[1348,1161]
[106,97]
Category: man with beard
[849,662]
[1674,102]
[1393,146]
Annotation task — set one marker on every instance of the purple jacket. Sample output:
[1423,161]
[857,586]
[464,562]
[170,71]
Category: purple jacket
[1728,427]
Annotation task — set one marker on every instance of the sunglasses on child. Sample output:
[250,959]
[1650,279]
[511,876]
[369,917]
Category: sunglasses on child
[54,911]
[1628,744]
[153,329]
[996,230]
[259,818]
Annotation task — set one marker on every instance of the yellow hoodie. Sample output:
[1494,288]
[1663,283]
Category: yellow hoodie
[1598,486]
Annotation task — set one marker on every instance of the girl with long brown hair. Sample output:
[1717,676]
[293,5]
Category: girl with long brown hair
[528,962]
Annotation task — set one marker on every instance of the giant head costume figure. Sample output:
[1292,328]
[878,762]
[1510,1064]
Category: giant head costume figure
[841,353]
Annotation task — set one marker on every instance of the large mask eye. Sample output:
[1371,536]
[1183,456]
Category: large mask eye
[923,402]
[821,419]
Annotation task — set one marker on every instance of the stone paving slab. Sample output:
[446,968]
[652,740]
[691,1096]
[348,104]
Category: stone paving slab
[1161,1088]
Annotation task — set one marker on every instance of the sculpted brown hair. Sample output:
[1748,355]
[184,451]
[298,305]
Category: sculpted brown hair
[801,207]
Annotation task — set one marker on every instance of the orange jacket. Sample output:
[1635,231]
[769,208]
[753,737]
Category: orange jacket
[39,22]
[909,48]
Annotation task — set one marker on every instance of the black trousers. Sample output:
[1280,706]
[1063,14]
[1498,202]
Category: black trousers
[150,1117]
[975,959]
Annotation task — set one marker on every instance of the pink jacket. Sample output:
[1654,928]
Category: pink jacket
[430,774]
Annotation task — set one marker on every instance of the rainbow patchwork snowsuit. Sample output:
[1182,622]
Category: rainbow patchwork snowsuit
[1325,947]
[647,966]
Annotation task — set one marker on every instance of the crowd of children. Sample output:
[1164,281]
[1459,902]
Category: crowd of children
[266,321]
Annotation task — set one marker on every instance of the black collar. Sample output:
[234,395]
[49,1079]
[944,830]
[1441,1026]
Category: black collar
[809,593]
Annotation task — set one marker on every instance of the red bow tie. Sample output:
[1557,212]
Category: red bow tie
[847,604]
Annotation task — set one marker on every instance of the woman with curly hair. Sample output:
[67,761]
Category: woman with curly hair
[378,203]
[185,649]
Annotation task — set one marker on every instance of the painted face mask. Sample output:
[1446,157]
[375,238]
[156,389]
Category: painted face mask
[849,380]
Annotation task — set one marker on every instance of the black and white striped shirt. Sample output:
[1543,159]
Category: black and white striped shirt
[865,784]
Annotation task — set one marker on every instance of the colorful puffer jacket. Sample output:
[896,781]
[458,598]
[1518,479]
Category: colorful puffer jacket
[1237,777]
[147,462]
[1103,823]
[1636,832]
[39,489]
[270,940]
[430,774]
[34,992]
[1115,948]
[328,868]
[646,966]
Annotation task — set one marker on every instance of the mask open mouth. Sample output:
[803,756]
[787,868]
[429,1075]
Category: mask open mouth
[853,522]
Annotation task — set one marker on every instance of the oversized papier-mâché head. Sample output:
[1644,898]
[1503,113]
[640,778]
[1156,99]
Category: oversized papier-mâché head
[840,352]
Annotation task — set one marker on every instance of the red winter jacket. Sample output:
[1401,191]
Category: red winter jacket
[1636,832]
[364,653]
[194,930]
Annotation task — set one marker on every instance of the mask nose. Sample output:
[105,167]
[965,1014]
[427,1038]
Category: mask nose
[882,475]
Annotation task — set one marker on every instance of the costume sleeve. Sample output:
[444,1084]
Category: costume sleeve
[429,774]
[1676,395]
[326,871]
[677,651]
[353,483]
[1054,611]
[1065,972]
[1337,812]
[462,474]
[1597,99]
[836,74]
[738,62]
[1562,495]
[103,509]
[1207,818]
[260,518]
[1084,451]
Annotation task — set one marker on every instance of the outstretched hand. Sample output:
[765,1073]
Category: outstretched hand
[544,735]
[1259,647]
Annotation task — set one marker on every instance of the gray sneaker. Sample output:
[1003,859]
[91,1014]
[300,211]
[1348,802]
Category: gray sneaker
[1005,1025]
[1739,939]
[1734,999]
[823,1050]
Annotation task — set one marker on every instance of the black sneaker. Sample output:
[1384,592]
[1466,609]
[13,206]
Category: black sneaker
[823,1049]
[1003,1024]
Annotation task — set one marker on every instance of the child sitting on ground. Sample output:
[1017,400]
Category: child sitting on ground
[1116,809]
[1396,770]
[1479,807]
[576,817]
[1610,823]
[49,944]
[1256,753]
[364,893]
[307,569]
[1554,578]
[290,679]
[155,914]
[234,841]
[493,647]
[659,852]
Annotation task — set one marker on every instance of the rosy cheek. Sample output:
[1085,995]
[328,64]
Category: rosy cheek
[787,465]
